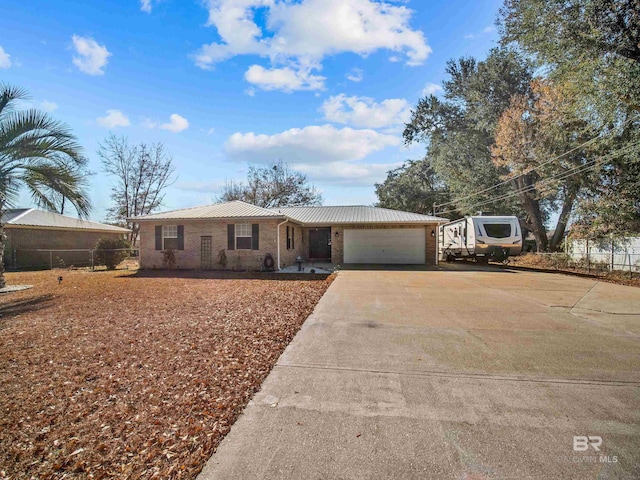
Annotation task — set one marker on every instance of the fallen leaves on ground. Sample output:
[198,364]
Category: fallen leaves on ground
[543,262]
[136,375]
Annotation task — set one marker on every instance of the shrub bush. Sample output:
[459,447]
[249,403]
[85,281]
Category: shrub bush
[111,252]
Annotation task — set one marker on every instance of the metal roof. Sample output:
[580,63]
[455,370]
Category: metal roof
[233,209]
[354,214]
[31,217]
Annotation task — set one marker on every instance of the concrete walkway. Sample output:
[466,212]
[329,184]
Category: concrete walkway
[449,374]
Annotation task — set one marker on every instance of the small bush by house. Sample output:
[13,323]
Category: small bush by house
[111,252]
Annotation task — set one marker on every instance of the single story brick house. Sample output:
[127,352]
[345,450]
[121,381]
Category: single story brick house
[39,239]
[245,234]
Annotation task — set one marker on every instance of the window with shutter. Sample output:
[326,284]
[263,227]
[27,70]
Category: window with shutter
[243,236]
[170,237]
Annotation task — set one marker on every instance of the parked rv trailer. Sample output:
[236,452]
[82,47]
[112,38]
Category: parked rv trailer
[484,238]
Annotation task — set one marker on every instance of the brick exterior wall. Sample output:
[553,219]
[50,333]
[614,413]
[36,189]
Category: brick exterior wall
[300,244]
[190,258]
[21,243]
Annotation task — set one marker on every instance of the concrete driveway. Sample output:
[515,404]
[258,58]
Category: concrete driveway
[450,374]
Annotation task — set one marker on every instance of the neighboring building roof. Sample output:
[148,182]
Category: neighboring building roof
[354,214]
[31,217]
[233,209]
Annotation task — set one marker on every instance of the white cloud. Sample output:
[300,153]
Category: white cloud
[212,186]
[285,79]
[5,59]
[211,131]
[431,89]
[355,75]
[145,6]
[113,119]
[250,91]
[309,145]
[298,36]
[48,106]
[148,123]
[347,173]
[176,123]
[365,112]
[485,31]
[92,57]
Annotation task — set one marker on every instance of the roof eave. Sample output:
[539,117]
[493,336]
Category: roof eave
[405,222]
[203,219]
[73,229]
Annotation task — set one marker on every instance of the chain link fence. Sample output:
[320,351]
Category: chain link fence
[45,259]
[599,256]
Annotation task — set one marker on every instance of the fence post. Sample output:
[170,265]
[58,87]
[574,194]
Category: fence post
[612,254]
[629,257]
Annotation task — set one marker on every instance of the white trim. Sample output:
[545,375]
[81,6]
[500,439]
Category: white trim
[278,241]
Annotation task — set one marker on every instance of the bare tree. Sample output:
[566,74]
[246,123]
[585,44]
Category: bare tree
[142,173]
[275,185]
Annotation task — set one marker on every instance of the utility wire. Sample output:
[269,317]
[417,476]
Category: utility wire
[559,176]
[588,142]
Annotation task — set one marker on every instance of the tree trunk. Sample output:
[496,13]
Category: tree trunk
[563,219]
[2,280]
[532,207]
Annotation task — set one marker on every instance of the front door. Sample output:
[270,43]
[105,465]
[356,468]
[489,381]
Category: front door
[320,243]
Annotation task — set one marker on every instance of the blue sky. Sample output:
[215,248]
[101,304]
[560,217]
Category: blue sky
[324,85]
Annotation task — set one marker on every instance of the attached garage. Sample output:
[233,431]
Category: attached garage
[402,246]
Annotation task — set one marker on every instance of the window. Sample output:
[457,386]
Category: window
[243,236]
[170,237]
[498,230]
[291,235]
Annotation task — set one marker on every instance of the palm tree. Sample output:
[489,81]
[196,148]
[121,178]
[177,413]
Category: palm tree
[41,155]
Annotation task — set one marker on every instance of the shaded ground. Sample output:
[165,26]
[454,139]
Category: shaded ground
[125,375]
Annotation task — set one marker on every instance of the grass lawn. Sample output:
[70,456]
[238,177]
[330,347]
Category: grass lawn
[135,375]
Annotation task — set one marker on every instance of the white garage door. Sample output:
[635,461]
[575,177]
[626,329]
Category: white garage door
[389,245]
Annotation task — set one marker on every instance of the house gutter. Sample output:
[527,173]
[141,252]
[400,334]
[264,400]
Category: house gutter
[278,240]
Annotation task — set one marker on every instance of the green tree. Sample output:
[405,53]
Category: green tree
[271,186]
[562,31]
[39,154]
[592,47]
[412,187]
[459,130]
[545,150]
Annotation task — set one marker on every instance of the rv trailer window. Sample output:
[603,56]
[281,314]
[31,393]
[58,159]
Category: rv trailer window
[498,230]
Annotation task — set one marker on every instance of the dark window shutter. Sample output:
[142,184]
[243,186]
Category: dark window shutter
[255,236]
[293,237]
[288,238]
[231,236]
[180,237]
[158,237]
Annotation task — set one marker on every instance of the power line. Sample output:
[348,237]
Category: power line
[588,142]
[559,176]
